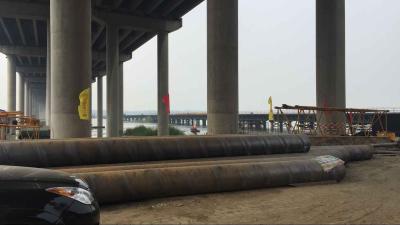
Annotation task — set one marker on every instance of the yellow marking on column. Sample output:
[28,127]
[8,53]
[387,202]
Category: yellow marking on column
[84,107]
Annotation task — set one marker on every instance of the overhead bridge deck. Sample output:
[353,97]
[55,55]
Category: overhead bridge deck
[23,28]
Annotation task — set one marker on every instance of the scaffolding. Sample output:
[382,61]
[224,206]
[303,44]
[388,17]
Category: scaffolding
[12,123]
[332,121]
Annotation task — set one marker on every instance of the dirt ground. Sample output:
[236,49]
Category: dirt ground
[370,194]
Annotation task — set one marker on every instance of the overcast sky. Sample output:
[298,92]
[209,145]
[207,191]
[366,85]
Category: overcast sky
[277,58]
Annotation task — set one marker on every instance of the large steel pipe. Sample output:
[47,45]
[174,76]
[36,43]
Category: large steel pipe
[345,153]
[348,153]
[345,140]
[57,153]
[133,185]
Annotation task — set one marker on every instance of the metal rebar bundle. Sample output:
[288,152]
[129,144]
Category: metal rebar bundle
[75,152]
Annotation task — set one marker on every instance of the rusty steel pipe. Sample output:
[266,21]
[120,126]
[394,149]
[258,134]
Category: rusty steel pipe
[134,185]
[348,153]
[74,152]
[345,153]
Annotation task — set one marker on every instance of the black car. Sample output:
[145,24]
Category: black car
[40,196]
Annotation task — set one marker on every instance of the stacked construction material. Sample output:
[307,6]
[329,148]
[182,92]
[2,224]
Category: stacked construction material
[129,169]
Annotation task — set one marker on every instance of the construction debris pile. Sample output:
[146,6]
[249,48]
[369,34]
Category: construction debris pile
[130,169]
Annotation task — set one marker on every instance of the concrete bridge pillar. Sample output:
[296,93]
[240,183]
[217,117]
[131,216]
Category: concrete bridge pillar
[21,96]
[120,90]
[265,125]
[26,97]
[331,75]
[11,87]
[42,104]
[29,100]
[71,65]
[113,83]
[38,101]
[48,77]
[163,85]
[222,78]
[99,107]
[33,102]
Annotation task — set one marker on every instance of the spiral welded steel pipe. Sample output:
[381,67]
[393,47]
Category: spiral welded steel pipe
[74,152]
[345,153]
[140,184]
[348,153]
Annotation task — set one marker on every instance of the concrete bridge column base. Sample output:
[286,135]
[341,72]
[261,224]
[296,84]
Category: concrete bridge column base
[120,90]
[48,78]
[113,83]
[331,74]
[11,87]
[163,85]
[222,78]
[21,97]
[70,66]
[26,97]
[99,107]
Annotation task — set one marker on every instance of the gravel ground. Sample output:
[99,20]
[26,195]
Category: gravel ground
[370,194]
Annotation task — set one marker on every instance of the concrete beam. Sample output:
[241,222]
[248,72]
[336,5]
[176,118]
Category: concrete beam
[102,56]
[31,69]
[34,75]
[138,22]
[23,50]
[24,10]
[38,86]
[42,52]
[34,80]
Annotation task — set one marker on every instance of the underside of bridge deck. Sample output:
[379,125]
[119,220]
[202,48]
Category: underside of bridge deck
[23,28]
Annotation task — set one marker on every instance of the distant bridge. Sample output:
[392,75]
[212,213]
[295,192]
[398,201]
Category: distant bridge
[257,121]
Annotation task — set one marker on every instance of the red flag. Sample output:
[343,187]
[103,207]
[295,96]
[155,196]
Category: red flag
[165,100]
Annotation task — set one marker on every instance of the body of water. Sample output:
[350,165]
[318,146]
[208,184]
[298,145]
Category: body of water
[128,125]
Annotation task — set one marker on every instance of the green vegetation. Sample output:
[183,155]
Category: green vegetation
[175,132]
[140,131]
[146,131]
